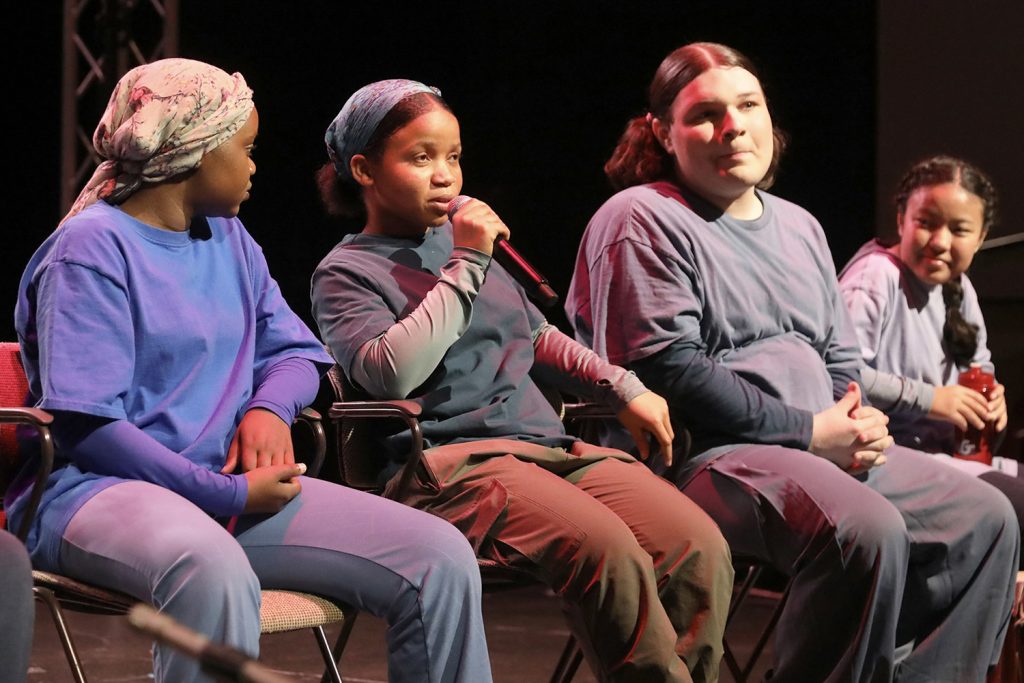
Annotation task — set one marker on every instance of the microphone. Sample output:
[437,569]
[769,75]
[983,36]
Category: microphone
[223,662]
[535,284]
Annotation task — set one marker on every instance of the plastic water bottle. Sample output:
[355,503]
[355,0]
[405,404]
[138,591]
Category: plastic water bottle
[973,443]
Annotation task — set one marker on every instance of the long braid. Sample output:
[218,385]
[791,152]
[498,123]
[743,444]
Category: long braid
[960,336]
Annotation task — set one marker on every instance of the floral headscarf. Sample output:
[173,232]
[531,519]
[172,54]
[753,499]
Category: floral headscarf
[357,121]
[161,119]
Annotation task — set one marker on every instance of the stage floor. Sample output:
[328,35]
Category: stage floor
[525,633]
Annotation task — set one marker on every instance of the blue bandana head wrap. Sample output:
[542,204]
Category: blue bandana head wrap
[357,121]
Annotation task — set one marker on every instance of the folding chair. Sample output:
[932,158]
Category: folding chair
[279,611]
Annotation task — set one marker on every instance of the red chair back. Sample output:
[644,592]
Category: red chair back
[13,393]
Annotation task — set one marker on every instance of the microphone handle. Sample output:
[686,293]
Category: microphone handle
[535,284]
[526,275]
[221,661]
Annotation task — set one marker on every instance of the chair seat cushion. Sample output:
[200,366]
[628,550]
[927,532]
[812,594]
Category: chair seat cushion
[279,610]
[288,611]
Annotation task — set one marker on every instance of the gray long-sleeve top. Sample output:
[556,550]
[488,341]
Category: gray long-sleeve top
[738,323]
[899,322]
[451,330]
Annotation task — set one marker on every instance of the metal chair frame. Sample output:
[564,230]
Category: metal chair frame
[751,569]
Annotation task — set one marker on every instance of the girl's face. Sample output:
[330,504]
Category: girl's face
[408,188]
[940,231]
[224,177]
[720,135]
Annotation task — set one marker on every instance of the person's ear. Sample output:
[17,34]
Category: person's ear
[359,166]
[899,224]
[660,130]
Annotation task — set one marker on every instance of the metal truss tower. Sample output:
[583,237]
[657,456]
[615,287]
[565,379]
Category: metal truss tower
[103,39]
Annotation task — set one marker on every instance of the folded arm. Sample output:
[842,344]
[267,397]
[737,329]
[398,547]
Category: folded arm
[119,448]
[393,364]
[720,401]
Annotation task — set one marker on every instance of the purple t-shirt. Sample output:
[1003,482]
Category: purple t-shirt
[172,332]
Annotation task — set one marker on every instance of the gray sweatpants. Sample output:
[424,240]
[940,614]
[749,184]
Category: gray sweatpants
[912,551]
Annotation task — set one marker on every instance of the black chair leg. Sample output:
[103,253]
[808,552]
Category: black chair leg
[331,673]
[766,634]
[333,657]
[732,664]
[751,577]
[568,662]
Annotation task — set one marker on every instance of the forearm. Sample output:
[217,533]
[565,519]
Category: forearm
[716,400]
[841,376]
[892,393]
[395,363]
[564,363]
[287,387]
[119,448]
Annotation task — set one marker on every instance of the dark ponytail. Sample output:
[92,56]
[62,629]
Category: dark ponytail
[340,197]
[960,336]
[638,158]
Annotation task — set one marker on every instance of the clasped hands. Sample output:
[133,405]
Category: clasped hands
[262,444]
[850,434]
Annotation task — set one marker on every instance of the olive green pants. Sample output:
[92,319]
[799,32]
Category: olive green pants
[644,573]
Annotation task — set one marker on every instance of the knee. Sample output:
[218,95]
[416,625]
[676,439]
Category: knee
[613,548]
[15,567]
[873,534]
[714,558]
[994,510]
[994,515]
[697,548]
[209,574]
[702,536]
[451,557]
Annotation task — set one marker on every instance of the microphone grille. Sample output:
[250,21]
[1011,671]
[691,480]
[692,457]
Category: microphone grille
[456,204]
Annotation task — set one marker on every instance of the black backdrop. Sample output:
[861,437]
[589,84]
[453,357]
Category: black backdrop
[542,91]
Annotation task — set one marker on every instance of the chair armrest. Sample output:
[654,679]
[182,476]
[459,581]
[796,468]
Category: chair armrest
[314,451]
[407,411]
[29,416]
[41,421]
[597,411]
[587,411]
